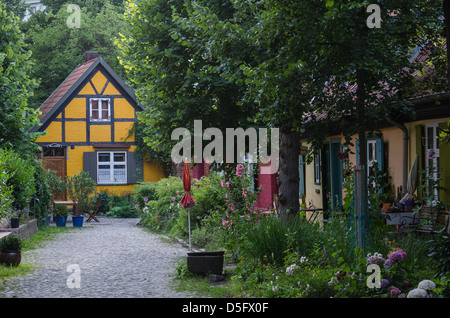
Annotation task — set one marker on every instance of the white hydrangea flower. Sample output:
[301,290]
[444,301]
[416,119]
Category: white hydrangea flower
[427,285]
[290,269]
[417,293]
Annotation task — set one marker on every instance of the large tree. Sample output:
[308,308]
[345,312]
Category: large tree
[58,48]
[178,78]
[16,86]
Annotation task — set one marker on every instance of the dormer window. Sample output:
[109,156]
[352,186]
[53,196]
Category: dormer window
[100,109]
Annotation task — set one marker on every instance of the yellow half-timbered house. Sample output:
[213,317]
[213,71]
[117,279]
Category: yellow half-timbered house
[87,121]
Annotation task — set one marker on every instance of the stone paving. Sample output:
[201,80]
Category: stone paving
[114,258]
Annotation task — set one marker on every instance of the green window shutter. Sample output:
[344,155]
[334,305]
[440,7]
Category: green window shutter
[444,167]
[135,168]
[90,164]
[419,151]
[301,190]
[380,153]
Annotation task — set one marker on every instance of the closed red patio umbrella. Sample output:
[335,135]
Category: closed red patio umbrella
[187,201]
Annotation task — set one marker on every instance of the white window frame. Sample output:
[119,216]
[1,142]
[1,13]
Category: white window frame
[100,109]
[374,158]
[434,147]
[316,168]
[112,163]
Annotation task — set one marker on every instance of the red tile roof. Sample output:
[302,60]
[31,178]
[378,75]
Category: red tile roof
[62,89]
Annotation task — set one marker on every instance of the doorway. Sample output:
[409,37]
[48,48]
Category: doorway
[54,158]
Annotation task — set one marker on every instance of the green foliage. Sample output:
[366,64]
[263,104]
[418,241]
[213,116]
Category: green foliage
[269,240]
[168,59]
[6,191]
[162,208]
[57,184]
[106,201]
[58,48]
[21,176]
[126,211]
[11,243]
[144,192]
[16,87]
[440,253]
[42,196]
[81,189]
[60,210]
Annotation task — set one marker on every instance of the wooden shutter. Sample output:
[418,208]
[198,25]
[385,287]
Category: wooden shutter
[301,189]
[419,151]
[90,164]
[135,168]
[444,167]
[380,153]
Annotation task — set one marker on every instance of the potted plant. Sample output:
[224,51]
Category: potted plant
[15,220]
[60,213]
[81,189]
[10,250]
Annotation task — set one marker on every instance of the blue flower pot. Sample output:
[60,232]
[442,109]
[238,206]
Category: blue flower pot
[77,221]
[60,221]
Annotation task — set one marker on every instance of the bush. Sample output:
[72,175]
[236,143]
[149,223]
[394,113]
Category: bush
[269,241]
[11,243]
[21,177]
[122,212]
[81,189]
[60,210]
[105,204]
[42,197]
[143,193]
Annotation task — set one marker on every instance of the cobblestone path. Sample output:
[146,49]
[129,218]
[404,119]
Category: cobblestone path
[114,258]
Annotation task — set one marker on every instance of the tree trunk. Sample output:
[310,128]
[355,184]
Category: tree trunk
[288,180]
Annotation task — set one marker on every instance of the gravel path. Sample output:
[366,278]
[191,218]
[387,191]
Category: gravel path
[114,258]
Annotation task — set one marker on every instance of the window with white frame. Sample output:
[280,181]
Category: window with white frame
[111,167]
[432,155]
[371,155]
[100,109]
[316,168]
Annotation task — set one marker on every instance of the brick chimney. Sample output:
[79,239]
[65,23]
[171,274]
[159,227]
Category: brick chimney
[90,55]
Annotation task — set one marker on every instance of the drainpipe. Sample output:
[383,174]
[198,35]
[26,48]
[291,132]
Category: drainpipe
[405,150]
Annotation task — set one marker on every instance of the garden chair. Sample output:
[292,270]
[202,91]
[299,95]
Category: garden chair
[427,222]
[92,210]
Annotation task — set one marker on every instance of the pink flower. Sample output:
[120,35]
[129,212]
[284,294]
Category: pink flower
[395,292]
[222,183]
[227,184]
[431,154]
[244,193]
[239,169]
[232,207]
[172,199]
[145,199]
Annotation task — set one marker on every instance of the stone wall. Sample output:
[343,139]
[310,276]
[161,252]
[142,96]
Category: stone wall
[25,231]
